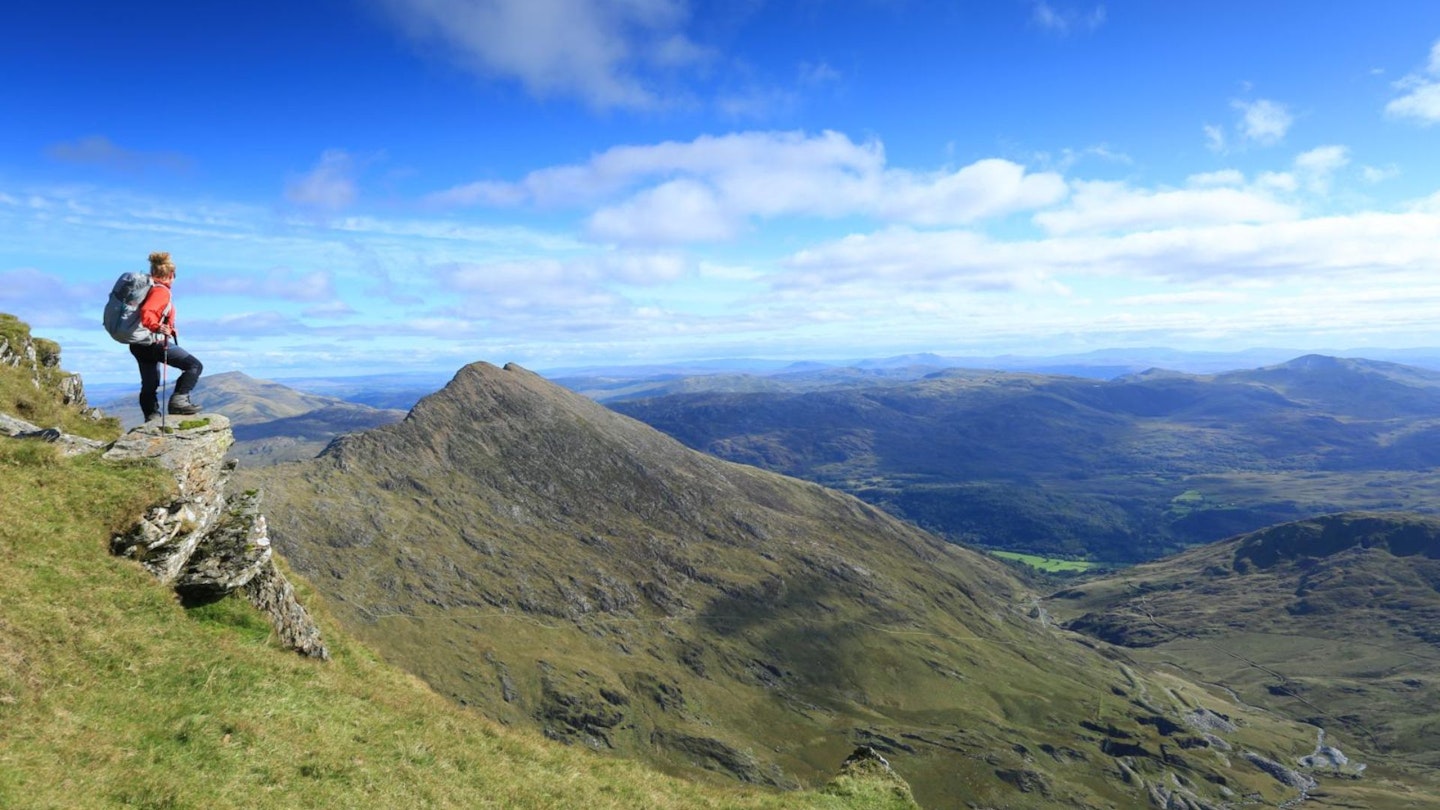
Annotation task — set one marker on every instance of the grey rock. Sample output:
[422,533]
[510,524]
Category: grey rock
[69,445]
[204,543]
[272,594]
[234,552]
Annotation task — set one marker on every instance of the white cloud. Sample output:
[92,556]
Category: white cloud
[1364,250]
[1379,174]
[1098,206]
[1263,121]
[1420,92]
[599,51]
[1318,166]
[1223,177]
[330,185]
[677,211]
[711,187]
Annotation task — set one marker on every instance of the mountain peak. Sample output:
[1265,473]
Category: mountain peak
[556,564]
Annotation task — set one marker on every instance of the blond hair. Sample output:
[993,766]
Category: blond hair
[160,264]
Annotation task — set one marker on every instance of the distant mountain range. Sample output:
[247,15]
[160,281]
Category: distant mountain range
[557,565]
[272,422]
[1115,470]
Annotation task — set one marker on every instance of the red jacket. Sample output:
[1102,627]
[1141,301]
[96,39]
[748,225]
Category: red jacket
[157,313]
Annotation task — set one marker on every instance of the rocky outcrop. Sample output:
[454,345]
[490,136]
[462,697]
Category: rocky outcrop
[42,358]
[205,543]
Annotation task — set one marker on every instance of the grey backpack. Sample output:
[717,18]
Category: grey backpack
[122,309]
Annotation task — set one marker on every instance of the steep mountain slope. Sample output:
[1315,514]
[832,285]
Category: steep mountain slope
[1122,470]
[533,554]
[1334,620]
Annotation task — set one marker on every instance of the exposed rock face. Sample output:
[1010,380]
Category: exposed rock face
[204,543]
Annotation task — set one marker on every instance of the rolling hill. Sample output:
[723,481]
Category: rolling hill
[558,566]
[1120,471]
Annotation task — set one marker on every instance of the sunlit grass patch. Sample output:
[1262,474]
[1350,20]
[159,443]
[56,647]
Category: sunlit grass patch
[1048,564]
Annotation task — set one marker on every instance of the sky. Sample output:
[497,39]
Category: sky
[383,185]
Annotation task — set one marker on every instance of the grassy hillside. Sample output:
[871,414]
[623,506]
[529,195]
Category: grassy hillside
[1334,620]
[563,568]
[1115,471]
[114,695]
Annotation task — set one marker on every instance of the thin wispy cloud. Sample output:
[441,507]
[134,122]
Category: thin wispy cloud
[1419,97]
[98,150]
[1064,20]
[330,185]
[605,53]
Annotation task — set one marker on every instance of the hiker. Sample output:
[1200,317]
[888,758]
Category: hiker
[157,316]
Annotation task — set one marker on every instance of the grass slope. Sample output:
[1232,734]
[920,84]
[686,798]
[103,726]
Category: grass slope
[113,695]
[1334,620]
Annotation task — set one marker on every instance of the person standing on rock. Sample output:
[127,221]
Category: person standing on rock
[157,314]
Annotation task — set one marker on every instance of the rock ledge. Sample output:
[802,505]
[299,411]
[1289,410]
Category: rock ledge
[206,544]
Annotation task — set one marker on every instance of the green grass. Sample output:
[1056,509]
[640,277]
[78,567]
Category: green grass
[42,404]
[1047,564]
[114,695]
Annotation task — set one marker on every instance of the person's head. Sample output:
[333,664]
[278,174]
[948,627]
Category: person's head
[161,268]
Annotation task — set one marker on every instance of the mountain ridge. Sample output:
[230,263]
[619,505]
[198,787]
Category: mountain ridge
[558,565]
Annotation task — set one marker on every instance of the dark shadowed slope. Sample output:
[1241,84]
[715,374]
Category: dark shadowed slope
[556,564]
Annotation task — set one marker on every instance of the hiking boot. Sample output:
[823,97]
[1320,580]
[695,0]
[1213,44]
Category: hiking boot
[152,417]
[181,404]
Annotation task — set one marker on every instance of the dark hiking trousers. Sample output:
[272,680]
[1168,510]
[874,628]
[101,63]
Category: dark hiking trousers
[150,357]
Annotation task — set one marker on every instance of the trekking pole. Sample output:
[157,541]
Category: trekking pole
[164,381]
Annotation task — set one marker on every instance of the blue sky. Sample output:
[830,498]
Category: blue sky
[351,187]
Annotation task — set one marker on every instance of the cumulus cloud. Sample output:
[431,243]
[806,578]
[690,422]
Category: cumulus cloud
[1264,122]
[330,185]
[710,188]
[1419,97]
[601,52]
